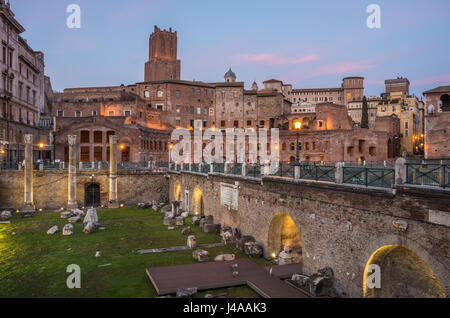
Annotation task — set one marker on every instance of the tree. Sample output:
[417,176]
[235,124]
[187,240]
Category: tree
[365,114]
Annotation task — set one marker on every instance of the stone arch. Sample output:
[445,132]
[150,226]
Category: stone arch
[283,232]
[403,275]
[177,191]
[198,206]
[445,103]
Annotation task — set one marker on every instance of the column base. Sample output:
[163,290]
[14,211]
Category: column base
[113,205]
[71,206]
[27,210]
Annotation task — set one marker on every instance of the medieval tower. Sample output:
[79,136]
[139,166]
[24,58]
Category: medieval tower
[162,63]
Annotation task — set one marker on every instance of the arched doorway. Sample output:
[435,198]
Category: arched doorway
[92,195]
[403,275]
[177,191]
[198,207]
[283,232]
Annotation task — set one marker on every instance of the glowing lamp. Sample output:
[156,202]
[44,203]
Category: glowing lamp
[274,255]
[41,145]
[171,146]
[298,125]
[122,147]
[121,205]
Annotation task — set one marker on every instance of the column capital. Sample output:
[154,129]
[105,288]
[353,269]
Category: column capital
[72,139]
[113,139]
[28,139]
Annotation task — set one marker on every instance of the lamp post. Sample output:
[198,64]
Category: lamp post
[297,127]
[170,153]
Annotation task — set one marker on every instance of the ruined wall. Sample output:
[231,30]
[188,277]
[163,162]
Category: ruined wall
[340,225]
[50,187]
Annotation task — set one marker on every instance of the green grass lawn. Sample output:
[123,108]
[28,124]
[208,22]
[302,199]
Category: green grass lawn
[33,263]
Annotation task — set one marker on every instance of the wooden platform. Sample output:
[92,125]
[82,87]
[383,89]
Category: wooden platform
[211,275]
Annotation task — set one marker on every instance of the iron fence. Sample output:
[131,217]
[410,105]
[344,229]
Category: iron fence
[235,169]
[194,167]
[219,167]
[253,171]
[424,173]
[286,170]
[317,172]
[382,177]
[205,168]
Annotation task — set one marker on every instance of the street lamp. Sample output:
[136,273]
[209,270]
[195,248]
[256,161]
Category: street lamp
[170,153]
[297,127]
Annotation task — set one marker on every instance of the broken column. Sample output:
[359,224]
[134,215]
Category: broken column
[72,191]
[28,206]
[113,172]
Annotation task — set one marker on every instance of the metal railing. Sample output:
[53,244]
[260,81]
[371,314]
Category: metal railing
[317,172]
[235,169]
[253,171]
[218,167]
[286,170]
[428,174]
[381,177]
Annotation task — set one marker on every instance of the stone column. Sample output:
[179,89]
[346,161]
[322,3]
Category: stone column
[339,173]
[113,173]
[400,171]
[28,206]
[244,169]
[72,190]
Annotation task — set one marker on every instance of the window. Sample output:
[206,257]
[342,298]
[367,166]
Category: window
[249,122]
[262,123]
[320,123]
[177,94]
[60,113]
[406,125]
[236,124]
[199,110]
[205,111]
[178,108]
[98,153]
[94,113]
[192,123]
[98,136]
[177,123]
[147,94]
[159,93]
[84,154]
[127,113]
[192,91]
[84,136]
[222,123]
[110,113]
[191,109]
[406,133]
[78,113]
[159,107]
[204,124]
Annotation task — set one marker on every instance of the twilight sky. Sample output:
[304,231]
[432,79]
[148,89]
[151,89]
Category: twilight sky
[306,43]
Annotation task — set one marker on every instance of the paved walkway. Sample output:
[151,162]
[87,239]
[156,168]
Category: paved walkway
[211,275]
[178,248]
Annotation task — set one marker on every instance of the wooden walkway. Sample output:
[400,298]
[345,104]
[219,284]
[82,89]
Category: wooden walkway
[211,275]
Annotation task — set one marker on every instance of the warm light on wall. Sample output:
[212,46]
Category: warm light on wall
[297,124]
[41,145]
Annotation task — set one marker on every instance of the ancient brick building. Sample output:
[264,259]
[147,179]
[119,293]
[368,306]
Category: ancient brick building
[437,123]
[164,102]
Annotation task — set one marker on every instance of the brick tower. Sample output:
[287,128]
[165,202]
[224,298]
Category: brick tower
[162,63]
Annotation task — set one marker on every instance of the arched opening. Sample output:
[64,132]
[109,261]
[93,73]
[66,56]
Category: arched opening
[283,232]
[177,191]
[445,101]
[92,195]
[197,203]
[403,274]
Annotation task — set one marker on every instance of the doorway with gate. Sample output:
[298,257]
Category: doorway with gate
[92,195]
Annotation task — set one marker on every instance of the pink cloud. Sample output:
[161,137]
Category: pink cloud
[433,80]
[271,59]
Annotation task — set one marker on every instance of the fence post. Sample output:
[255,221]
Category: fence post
[211,167]
[400,171]
[339,173]
[266,169]
[225,168]
[244,169]
[200,167]
[297,171]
